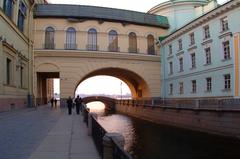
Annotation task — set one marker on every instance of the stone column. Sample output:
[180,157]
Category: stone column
[108,144]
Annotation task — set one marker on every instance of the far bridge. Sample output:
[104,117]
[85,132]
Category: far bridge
[107,101]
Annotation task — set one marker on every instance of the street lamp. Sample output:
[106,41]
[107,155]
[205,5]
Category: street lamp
[121,89]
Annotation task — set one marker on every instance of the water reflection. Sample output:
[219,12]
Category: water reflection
[146,140]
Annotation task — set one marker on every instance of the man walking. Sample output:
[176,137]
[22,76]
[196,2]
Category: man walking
[69,104]
[78,102]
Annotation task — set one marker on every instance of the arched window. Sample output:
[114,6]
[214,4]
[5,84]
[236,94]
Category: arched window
[70,39]
[132,42]
[113,41]
[49,38]
[92,39]
[150,43]
[8,7]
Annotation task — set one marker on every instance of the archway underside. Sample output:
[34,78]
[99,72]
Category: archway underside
[136,84]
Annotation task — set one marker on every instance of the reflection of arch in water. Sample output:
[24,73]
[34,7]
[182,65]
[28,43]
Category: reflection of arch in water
[135,82]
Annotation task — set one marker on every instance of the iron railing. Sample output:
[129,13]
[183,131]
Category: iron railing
[98,133]
[90,47]
[133,50]
[70,46]
[49,46]
[113,48]
[213,104]
[119,152]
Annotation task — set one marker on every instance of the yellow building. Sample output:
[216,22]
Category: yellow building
[16,53]
[85,41]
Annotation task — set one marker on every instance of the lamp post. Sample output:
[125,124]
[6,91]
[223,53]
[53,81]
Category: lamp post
[121,89]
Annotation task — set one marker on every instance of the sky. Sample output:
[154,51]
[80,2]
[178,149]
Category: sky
[104,84]
[136,5]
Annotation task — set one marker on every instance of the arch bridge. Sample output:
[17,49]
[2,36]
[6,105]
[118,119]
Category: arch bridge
[107,101]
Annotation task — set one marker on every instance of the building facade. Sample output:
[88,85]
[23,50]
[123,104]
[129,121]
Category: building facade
[181,12]
[16,53]
[201,59]
[79,44]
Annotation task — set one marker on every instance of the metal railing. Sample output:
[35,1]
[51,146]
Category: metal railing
[49,46]
[213,104]
[90,47]
[70,46]
[98,133]
[113,48]
[119,152]
[133,50]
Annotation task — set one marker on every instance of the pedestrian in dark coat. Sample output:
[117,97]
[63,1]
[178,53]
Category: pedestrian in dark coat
[69,104]
[52,100]
[78,102]
[55,102]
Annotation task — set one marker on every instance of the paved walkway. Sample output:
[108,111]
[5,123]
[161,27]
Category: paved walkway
[44,133]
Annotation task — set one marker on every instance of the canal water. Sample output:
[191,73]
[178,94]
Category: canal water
[146,140]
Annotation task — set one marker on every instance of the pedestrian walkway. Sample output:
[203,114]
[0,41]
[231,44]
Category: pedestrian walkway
[68,139]
[44,133]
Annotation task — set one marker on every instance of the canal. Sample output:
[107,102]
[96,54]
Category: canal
[146,140]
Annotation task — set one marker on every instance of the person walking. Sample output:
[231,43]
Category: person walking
[69,104]
[55,102]
[78,102]
[52,100]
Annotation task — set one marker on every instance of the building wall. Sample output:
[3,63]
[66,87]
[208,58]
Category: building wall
[61,25]
[218,67]
[15,45]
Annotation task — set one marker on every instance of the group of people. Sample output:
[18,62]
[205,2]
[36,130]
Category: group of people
[78,103]
[53,101]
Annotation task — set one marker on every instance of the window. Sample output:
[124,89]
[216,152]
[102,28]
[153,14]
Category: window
[194,86]
[224,24]
[192,39]
[208,55]
[132,42]
[180,44]
[8,71]
[170,49]
[226,50]
[170,89]
[113,41]
[150,43]
[92,40]
[21,16]
[49,38]
[180,64]
[170,67]
[227,82]
[193,60]
[206,32]
[181,91]
[8,8]
[209,84]
[70,39]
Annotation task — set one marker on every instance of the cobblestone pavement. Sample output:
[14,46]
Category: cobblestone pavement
[22,131]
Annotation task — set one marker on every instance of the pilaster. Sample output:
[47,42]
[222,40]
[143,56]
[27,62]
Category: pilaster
[1,67]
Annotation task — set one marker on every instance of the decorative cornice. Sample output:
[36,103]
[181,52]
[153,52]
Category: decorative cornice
[225,34]
[229,6]
[207,41]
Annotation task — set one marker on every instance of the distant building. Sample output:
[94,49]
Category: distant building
[201,59]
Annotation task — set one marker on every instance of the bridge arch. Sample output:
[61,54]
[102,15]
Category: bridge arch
[135,82]
[107,101]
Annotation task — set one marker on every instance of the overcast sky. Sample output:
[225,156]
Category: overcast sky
[136,5]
